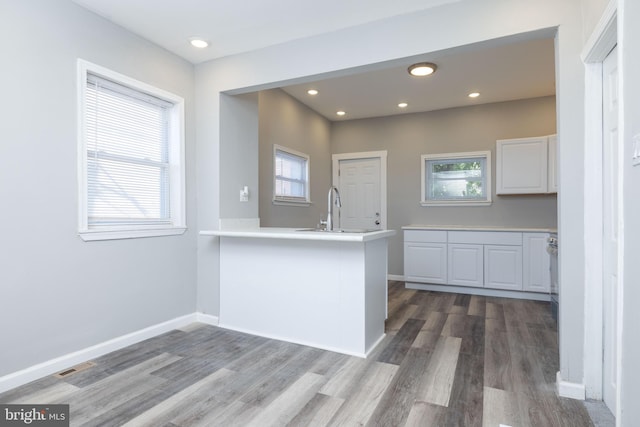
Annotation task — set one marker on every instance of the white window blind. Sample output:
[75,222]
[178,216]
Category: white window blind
[127,141]
[291,176]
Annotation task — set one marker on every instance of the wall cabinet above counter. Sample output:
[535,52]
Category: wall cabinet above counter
[526,165]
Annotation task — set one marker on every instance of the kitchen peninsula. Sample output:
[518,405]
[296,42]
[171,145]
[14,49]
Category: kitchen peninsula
[323,289]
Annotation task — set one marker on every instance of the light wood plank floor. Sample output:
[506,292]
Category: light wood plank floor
[447,360]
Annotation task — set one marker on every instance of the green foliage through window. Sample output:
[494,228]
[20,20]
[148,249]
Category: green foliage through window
[456,178]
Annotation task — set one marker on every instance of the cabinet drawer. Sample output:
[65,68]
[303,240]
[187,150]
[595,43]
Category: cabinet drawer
[486,237]
[427,236]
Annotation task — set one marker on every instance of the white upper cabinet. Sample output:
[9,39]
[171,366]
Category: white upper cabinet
[524,166]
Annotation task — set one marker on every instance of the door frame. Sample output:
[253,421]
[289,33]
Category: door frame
[597,48]
[382,155]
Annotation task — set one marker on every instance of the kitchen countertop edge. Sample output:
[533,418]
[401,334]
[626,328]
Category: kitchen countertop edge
[296,234]
[479,228]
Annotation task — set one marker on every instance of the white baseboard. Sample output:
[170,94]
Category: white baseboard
[501,293]
[395,277]
[207,319]
[570,390]
[362,355]
[24,376]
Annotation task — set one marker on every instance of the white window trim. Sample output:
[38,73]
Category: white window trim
[176,162]
[454,156]
[286,201]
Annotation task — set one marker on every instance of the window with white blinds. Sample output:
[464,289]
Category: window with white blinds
[291,176]
[132,157]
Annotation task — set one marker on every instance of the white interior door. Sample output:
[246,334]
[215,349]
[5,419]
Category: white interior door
[610,225]
[359,184]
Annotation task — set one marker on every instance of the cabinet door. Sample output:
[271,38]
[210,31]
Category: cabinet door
[536,276]
[553,164]
[465,265]
[503,267]
[425,262]
[521,166]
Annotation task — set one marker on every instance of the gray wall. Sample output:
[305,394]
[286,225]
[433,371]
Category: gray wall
[60,294]
[475,128]
[287,122]
[243,131]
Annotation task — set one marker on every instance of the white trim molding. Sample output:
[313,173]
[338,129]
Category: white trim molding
[49,367]
[396,277]
[570,390]
[602,40]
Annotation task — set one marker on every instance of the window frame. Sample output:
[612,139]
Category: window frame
[426,201]
[176,160]
[287,200]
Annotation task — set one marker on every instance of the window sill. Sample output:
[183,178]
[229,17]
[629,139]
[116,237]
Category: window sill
[291,203]
[455,203]
[116,234]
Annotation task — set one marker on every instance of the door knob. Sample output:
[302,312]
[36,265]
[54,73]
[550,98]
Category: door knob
[377,222]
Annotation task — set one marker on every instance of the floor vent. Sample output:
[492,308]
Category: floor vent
[78,368]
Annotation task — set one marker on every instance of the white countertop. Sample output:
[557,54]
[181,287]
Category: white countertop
[297,234]
[479,228]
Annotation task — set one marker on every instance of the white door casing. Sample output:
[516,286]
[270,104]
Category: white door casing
[598,46]
[610,214]
[361,180]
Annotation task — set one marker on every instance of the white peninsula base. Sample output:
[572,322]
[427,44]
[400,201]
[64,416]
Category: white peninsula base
[327,291]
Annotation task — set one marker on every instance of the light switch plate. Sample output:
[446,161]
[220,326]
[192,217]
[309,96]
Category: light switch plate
[636,150]
[244,194]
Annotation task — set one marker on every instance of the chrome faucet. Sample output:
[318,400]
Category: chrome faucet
[329,222]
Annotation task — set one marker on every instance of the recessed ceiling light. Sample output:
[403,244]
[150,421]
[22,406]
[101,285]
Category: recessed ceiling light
[312,92]
[422,69]
[474,94]
[403,105]
[340,113]
[198,42]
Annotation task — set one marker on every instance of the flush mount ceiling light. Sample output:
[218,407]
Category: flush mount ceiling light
[474,94]
[403,105]
[312,92]
[198,42]
[340,113]
[422,69]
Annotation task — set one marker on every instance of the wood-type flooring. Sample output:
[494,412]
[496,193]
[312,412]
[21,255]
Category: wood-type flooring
[447,360]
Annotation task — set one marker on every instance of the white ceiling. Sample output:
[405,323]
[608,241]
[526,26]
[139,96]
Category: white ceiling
[509,70]
[236,26]
[503,73]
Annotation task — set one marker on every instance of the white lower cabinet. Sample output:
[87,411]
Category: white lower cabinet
[503,267]
[465,265]
[501,260]
[425,262]
[536,275]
